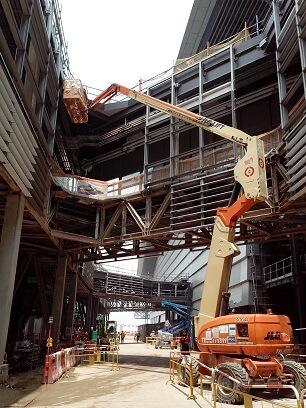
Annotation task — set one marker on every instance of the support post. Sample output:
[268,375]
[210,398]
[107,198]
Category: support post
[282,86]
[9,248]
[146,146]
[88,314]
[174,134]
[299,295]
[71,305]
[58,296]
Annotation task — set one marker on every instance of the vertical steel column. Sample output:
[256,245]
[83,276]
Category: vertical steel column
[174,135]
[71,304]
[9,249]
[301,40]
[57,61]
[58,296]
[146,146]
[201,140]
[201,143]
[233,98]
[148,211]
[296,269]
[43,82]
[97,226]
[24,35]
[233,86]
[88,317]
[282,87]
[257,25]
[123,219]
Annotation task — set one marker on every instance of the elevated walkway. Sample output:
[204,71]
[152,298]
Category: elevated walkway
[123,292]
[281,272]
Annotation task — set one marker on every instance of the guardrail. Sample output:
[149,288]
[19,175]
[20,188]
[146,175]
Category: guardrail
[99,355]
[151,340]
[206,386]
[56,364]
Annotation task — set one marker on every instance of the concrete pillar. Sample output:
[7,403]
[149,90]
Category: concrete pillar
[71,305]
[9,249]
[58,296]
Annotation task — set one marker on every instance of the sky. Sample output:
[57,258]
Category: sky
[123,41]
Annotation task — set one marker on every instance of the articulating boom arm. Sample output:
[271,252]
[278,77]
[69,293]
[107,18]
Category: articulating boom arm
[250,171]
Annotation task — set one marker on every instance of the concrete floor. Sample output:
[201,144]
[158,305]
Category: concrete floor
[140,382]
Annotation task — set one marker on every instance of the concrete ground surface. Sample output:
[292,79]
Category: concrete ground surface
[141,381]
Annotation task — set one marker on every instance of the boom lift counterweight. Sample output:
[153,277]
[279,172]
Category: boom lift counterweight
[245,346]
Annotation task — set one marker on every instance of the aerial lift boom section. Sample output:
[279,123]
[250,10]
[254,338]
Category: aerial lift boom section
[225,340]
[249,171]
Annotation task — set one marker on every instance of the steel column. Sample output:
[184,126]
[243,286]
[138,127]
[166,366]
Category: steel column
[301,41]
[58,296]
[282,87]
[174,135]
[296,269]
[24,34]
[88,317]
[146,145]
[9,248]
[71,305]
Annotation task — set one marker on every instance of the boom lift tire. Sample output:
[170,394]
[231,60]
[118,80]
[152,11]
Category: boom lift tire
[240,374]
[298,373]
[184,371]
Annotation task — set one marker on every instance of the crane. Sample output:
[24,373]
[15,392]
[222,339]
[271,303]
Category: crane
[243,346]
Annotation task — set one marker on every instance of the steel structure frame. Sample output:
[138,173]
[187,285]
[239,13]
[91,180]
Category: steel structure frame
[176,210]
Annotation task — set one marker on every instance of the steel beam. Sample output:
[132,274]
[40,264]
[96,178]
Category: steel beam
[135,216]
[161,211]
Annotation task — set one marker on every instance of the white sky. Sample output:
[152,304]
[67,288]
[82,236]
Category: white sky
[122,41]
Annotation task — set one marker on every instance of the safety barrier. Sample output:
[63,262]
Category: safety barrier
[206,386]
[58,363]
[99,355]
[302,397]
[151,340]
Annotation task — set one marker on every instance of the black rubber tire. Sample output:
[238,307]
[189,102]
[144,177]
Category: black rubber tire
[299,376]
[184,371]
[236,371]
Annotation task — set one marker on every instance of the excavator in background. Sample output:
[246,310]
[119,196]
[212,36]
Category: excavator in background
[247,347]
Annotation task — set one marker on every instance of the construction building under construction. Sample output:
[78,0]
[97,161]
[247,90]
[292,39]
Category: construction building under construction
[134,182]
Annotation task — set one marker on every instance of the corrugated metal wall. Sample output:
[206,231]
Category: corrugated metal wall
[174,265]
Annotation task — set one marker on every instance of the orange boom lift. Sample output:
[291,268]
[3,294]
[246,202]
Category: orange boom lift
[246,347]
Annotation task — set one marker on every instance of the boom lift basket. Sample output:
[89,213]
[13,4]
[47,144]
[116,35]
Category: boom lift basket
[75,100]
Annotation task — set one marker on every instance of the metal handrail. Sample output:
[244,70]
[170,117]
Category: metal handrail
[278,270]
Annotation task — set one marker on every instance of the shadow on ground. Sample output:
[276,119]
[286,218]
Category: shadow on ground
[19,386]
[149,361]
